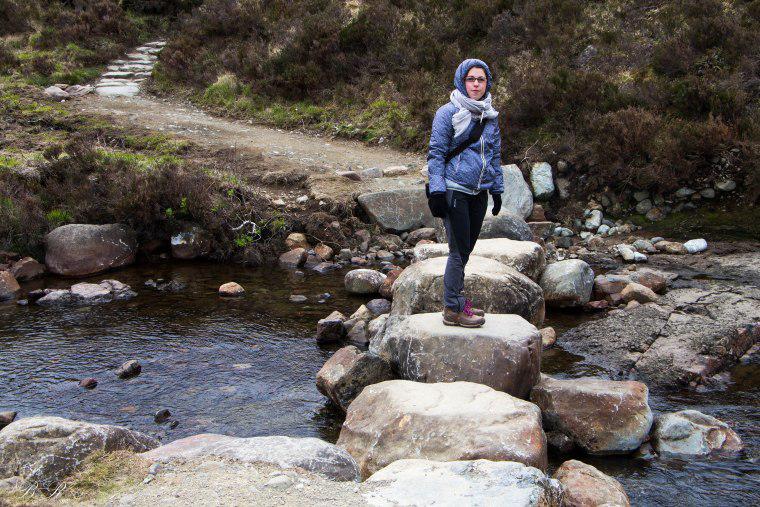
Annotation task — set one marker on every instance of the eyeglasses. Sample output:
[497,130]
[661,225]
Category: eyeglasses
[471,79]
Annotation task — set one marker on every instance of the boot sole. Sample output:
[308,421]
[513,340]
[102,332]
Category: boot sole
[450,323]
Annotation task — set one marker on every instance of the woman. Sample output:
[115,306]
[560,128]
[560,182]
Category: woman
[463,166]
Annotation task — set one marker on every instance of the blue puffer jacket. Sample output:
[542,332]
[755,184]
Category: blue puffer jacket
[478,166]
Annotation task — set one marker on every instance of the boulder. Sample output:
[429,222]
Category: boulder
[378,306]
[9,287]
[363,281]
[6,418]
[324,252]
[567,283]
[517,197]
[505,353]
[491,285]
[695,245]
[293,258]
[504,225]
[193,243]
[692,433]
[420,234]
[386,289]
[585,486]
[54,92]
[88,293]
[601,416]
[231,289]
[526,257]
[85,249]
[27,269]
[477,482]
[347,372]
[330,329]
[548,337]
[297,240]
[129,369]
[311,454]
[400,209]
[45,450]
[593,221]
[399,419]
[542,180]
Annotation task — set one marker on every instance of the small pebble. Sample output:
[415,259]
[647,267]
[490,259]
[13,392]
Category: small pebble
[162,416]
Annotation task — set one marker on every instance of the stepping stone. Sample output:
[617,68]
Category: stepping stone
[399,419]
[491,285]
[117,75]
[141,56]
[117,91]
[504,354]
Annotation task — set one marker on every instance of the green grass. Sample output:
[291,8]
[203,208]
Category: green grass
[138,161]
[8,162]
[157,143]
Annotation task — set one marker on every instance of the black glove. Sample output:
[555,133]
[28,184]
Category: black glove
[496,204]
[437,204]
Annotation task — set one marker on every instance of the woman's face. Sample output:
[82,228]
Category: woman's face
[475,82]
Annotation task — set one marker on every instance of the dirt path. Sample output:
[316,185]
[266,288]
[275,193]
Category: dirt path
[320,157]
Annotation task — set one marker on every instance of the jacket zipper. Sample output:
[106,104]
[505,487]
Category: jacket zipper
[483,158]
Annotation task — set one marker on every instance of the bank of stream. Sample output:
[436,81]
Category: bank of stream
[246,367]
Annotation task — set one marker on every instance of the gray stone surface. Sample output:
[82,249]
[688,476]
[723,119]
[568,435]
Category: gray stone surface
[9,287]
[348,371]
[585,486]
[517,197]
[400,209]
[692,433]
[504,225]
[456,483]
[311,454]
[567,283]
[85,249]
[542,180]
[505,353]
[363,281]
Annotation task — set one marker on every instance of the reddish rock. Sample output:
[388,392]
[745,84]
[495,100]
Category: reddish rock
[349,371]
[596,306]
[88,383]
[386,289]
[9,287]
[548,337]
[671,247]
[27,269]
[231,289]
[331,329]
[538,214]
[297,240]
[324,252]
[650,279]
[425,233]
[585,486]
[425,242]
[637,292]
[293,259]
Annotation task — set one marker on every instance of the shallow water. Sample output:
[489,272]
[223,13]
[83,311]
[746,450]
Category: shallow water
[247,367]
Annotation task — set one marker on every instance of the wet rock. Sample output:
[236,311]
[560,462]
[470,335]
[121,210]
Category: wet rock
[162,285]
[424,233]
[526,257]
[324,268]
[348,371]
[399,419]
[567,283]
[45,450]
[297,240]
[231,289]
[386,289]
[542,181]
[637,292]
[84,249]
[310,454]
[293,259]
[6,418]
[585,486]
[401,209]
[330,329]
[692,433]
[518,199]
[27,269]
[324,252]
[379,307]
[88,293]
[162,416]
[479,482]
[505,353]
[548,337]
[193,243]
[363,281]
[129,369]
[695,246]
[358,332]
[88,383]
[601,416]
[9,287]
[596,306]
[559,443]
[491,285]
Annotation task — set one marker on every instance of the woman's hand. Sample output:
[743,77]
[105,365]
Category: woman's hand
[437,204]
[496,204]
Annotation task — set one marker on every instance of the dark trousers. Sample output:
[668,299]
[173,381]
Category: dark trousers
[463,221]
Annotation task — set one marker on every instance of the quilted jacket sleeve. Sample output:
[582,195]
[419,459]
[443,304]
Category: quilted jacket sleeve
[440,142]
[498,183]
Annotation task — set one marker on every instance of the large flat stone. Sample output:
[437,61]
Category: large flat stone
[491,285]
[311,454]
[456,483]
[399,419]
[397,210]
[526,257]
[504,354]
[85,249]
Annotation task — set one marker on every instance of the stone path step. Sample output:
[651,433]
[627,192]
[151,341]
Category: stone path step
[124,76]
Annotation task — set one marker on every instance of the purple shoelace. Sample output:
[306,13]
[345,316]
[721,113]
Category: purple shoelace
[467,310]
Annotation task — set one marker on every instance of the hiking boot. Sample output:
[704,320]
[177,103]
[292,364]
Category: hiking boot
[453,318]
[475,311]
